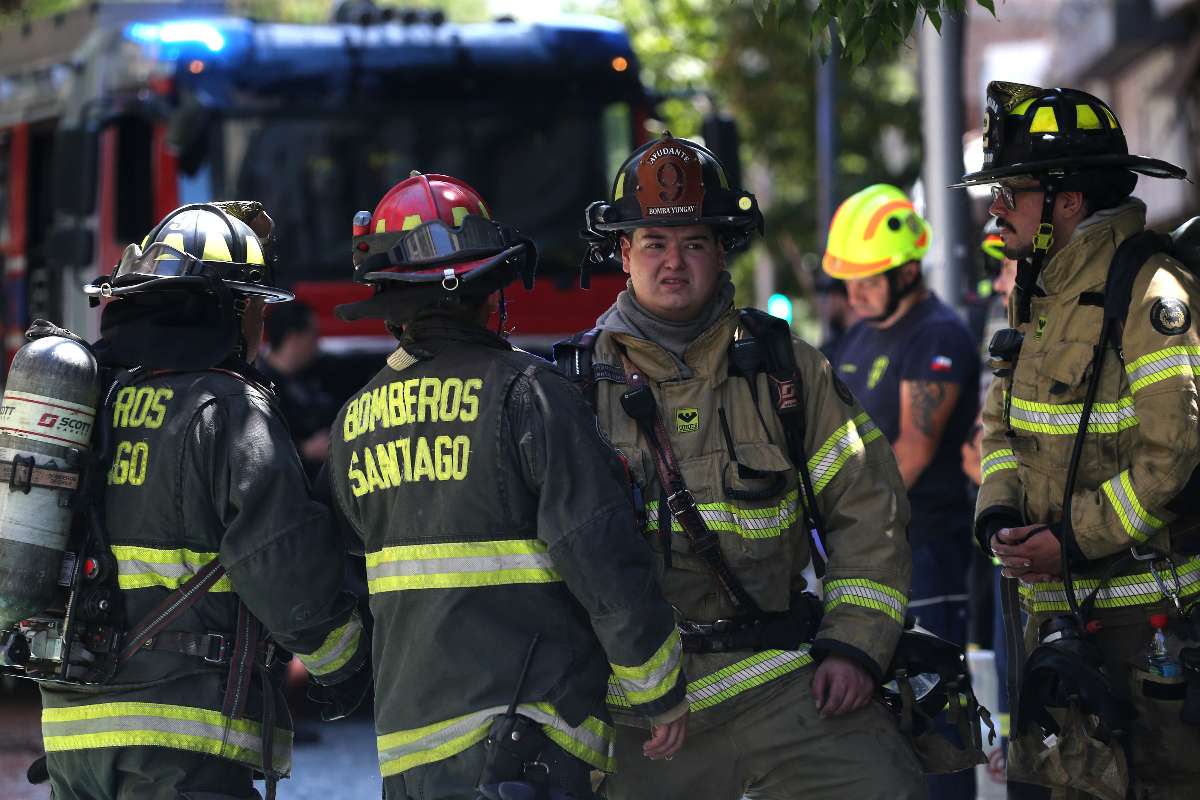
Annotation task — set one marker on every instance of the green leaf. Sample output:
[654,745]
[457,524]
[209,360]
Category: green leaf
[761,9]
[936,19]
[989,5]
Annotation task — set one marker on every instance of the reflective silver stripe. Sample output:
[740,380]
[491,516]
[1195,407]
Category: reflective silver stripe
[1139,523]
[1153,367]
[750,523]
[1000,459]
[1064,419]
[847,440]
[459,565]
[865,593]
[337,649]
[647,682]
[402,750]
[1122,591]
[447,566]
[760,669]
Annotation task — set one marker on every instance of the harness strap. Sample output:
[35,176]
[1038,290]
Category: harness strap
[640,404]
[21,475]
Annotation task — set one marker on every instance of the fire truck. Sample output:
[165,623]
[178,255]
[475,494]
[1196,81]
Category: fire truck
[113,114]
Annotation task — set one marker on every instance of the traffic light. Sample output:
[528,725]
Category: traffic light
[780,305]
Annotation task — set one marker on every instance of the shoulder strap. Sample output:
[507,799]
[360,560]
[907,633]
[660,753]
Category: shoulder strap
[573,358]
[1132,254]
[771,352]
[639,403]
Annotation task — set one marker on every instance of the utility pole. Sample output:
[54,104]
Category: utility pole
[947,210]
[827,137]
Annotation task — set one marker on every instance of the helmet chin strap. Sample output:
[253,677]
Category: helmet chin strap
[1029,269]
[896,293]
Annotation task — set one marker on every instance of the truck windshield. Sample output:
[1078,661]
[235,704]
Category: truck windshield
[537,170]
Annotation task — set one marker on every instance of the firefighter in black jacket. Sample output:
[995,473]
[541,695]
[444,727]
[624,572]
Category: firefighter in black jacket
[215,537]
[506,573]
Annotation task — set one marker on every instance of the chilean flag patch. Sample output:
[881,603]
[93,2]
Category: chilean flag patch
[941,364]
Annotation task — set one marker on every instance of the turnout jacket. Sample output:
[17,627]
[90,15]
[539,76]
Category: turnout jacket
[203,468]
[716,425]
[492,514]
[1143,440]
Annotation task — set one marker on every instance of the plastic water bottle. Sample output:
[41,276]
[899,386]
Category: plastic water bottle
[1158,659]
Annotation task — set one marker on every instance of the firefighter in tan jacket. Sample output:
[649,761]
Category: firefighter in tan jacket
[1061,178]
[788,723]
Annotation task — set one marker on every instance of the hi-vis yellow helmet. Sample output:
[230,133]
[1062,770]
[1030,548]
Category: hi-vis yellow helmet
[873,231]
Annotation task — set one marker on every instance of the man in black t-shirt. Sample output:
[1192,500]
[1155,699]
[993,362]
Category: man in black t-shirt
[913,365]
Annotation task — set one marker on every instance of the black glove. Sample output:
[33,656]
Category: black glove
[991,521]
[341,699]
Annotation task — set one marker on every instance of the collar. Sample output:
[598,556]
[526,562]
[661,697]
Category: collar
[707,356]
[1084,261]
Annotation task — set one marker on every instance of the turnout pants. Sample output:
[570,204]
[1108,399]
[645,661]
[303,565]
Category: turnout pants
[146,773]
[778,748]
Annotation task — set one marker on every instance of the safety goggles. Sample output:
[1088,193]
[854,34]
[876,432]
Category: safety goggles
[1008,194]
[161,260]
[433,241]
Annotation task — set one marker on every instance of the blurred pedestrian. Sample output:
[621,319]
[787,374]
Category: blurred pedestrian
[1095,516]
[292,350]
[913,364]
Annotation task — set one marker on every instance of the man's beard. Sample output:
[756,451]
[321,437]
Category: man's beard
[1018,251]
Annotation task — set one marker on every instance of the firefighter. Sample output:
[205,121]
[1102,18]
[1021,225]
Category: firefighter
[222,558]
[914,366]
[506,576]
[781,699]
[1097,529]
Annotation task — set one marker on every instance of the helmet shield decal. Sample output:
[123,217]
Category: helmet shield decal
[670,183]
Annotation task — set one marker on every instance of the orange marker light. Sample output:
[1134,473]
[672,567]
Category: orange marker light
[620,63]
[196,67]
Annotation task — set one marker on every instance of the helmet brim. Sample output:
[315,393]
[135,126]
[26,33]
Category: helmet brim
[1150,167]
[156,284]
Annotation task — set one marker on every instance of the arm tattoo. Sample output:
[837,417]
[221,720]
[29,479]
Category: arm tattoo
[926,397]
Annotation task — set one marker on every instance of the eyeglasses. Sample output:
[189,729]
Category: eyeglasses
[1009,194]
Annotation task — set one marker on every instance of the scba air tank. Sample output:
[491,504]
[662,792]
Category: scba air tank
[46,421]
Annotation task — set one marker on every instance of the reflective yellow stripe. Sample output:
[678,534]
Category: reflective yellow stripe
[144,567]
[655,677]
[730,681]
[748,523]
[339,647]
[866,594]
[1182,360]
[1139,523]
[846,441]
[402,750]
[1123,591]
[999,460]
[459,565]
[1064,418]
[135,724]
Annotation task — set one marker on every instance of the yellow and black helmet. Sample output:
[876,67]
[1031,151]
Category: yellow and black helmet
[1028,130]
[193,247]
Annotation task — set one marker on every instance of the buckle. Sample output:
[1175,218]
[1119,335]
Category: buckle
[222,652]
[681,501]
[1043,238]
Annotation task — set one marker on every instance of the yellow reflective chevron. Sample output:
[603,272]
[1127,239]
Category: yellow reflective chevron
[730,681]
[1182,360]
[1063,418]
[337,649]
[846,441]
[131,724]
[649,681]
[1139,523]
[866,594]
[459,565]
[1123,591]
[1003,458]
[402,750]
[749,523]
[144,567]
